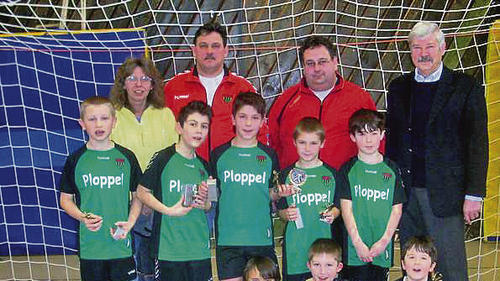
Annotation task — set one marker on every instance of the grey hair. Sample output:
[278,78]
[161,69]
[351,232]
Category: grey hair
[424,28]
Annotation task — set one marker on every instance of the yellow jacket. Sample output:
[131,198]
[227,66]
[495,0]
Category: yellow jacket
[155,132]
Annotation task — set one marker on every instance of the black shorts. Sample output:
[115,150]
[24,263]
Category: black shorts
[115,269]
[231,260]
[185,270]
[367,272]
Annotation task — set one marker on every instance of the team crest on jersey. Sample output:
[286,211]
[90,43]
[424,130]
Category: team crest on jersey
[326,180]
[387,176]
[202,173]
[227,99]
[119,162]
[261,158]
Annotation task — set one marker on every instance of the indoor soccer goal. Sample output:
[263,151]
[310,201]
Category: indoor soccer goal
[56,53]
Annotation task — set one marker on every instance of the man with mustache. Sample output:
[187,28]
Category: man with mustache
[437,134]
[211,82]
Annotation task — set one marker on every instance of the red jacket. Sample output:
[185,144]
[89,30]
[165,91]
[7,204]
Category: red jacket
[186,87]
[299,101]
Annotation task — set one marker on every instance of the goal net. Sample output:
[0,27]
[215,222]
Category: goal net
[54,54]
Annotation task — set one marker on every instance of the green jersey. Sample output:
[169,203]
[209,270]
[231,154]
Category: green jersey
[244,177]
[318,193]
[373,190]
[101,182]
[183,238]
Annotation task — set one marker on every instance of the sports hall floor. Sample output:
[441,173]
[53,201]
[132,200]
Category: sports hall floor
[489,267]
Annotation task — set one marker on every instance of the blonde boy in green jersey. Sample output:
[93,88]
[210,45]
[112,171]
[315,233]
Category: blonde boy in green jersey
[95,189]
[309,213]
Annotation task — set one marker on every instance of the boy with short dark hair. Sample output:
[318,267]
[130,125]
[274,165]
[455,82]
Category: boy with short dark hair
[244,170]
[95,189]
[418,259]
[325,260]
[309,213]
[181,239]
[371,200]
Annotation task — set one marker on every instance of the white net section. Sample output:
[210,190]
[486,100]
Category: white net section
[47,69]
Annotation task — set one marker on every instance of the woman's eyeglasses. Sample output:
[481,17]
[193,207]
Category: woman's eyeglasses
[132,78]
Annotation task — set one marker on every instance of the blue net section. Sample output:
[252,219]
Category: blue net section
[43,78]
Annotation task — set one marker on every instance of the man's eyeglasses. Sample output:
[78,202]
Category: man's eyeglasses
[321,62]
[134,79]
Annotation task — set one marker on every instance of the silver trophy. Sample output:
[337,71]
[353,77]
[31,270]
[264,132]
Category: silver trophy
[190,191]
[297,177]
[212,190]
[117,232]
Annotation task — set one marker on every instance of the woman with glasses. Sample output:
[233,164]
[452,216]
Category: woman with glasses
[144,126]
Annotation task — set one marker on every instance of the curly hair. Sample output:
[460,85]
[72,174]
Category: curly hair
[119,96]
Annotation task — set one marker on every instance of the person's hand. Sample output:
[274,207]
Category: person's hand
[124,225]
[328,217]
[285,190]
[92,222]
[201,197]
[362,251]
[177,210]
[472,210]
[290,213]
[378,247]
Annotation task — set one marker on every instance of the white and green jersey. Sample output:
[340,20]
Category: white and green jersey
[244,177]
[183,238]
[318,193]
[373,190]
[101,182]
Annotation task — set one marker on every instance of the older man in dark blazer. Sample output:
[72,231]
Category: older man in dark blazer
[437,133]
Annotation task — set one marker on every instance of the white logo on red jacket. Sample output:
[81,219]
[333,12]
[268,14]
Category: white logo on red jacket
[180,97]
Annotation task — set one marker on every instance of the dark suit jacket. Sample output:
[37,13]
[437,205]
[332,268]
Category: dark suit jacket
[456,156]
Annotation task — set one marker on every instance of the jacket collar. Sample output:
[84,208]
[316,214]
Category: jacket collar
[339,85]
[194,70]
[433,77]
